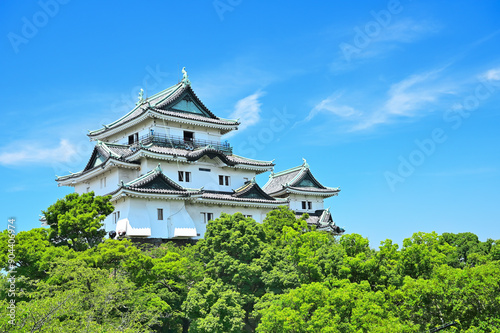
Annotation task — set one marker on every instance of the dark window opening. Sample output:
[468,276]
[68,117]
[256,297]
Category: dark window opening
[160,213]
[203,169]
[184,176]
[207,217]
[303,205]
[133,138]
[188,136]
[309,205]
[224,180]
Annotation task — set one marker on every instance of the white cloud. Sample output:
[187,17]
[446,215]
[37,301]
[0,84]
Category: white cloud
[411,93]
[492,75]
[330,105]
[414,96]
[247,110]
[407,31]
[362,46]
[31,152]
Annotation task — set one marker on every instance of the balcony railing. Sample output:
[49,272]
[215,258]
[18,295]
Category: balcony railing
[172,141]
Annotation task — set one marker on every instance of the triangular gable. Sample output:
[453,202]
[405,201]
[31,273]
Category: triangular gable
[188,105]
[95,159]
[158,183]
[187,102]
[307,180]
[252,191]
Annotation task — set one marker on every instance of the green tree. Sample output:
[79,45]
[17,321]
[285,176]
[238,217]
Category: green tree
[231,251]
[422,253]
[340,306]
[77,220]
[215,307]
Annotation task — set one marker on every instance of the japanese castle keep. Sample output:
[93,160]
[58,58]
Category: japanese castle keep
[168,172]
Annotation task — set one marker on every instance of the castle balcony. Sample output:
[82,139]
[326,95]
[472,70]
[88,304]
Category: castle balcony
[172,141]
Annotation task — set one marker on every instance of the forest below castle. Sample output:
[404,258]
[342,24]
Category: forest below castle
[279,276]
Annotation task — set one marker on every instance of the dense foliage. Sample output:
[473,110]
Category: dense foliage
[278,276]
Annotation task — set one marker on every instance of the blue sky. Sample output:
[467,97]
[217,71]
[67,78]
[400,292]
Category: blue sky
[396,102]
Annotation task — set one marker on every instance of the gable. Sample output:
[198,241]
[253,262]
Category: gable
[95,160]
[308,181]
[187,104]
[211,158]
[158,183]
[252,191]
[253,194]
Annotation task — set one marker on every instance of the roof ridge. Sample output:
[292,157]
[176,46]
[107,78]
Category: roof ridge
[111,153]
[284,172]
[172,92]
[114,144]
[144,176]
[116,121]
[251,159]
[163,91]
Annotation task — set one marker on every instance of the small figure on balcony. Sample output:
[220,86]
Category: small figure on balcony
[152,132]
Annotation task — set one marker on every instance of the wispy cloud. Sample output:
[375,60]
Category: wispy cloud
[361,46]
[492,74]
[407,98]
[408,31]
[32,152]
[247,110]
[415,96]
[330,105]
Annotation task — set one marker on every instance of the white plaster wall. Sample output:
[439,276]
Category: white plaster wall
[195,210]
[143,213]
[142,128]
[208,180]
[127,175]
[94,184]
[296,202]
[121,206]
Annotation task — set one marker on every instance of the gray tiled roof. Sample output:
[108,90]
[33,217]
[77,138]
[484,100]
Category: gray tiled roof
[231,197]
[323,221]
[295,179]
[313,189]
[193,116]
[275,184]
[196,154]
[123,152]
[161,102]
[164,184]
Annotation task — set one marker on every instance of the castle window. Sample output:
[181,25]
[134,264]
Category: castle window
[188,136]
[304,204]
[224,180]
[116,216]
[133,138]
[184,176]
[103,182]
[309,205]
[207,217]
[160,214]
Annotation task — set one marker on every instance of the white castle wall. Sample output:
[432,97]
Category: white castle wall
[296,202]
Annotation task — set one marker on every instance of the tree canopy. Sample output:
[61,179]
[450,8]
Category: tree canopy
[278,276]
